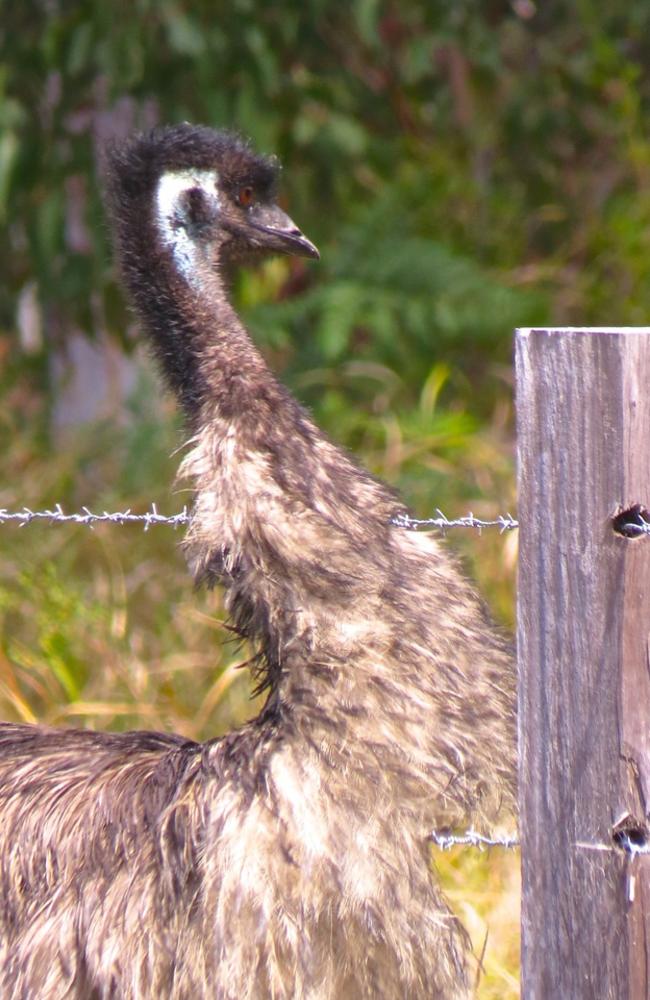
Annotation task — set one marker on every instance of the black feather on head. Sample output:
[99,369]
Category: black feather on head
[133,167]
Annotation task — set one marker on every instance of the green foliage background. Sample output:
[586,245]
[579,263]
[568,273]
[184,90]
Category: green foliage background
[464,167]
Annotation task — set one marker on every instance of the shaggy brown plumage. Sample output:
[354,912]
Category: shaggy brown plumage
[290,859]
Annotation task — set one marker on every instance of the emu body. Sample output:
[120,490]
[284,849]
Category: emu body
[288,860]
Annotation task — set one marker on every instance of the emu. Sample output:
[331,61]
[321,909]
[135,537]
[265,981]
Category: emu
[288,860]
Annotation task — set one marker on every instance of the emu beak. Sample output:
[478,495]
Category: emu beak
[275,230]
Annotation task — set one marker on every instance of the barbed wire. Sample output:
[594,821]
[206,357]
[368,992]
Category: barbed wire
[57,515]
[472,838]
[151,517]
[623,842]
[504,522]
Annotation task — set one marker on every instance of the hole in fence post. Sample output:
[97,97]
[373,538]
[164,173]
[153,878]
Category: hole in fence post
[633,522]
[631,835]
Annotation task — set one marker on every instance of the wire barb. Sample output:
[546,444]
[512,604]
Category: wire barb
[640,527]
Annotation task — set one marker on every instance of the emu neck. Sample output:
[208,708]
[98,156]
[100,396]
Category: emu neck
[298,534]
[204,349]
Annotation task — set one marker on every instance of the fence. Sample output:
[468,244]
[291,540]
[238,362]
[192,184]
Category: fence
[583,413]
[583,410]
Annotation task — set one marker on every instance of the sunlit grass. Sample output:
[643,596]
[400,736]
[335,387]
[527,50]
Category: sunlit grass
[484,889]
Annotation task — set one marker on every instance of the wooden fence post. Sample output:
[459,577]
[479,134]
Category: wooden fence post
[583,413]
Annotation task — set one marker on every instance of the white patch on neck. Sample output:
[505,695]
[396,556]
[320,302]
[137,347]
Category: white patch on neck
[171,218]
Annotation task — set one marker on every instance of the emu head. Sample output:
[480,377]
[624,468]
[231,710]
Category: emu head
[212,199]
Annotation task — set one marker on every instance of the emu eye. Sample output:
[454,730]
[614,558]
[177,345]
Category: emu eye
[246,196]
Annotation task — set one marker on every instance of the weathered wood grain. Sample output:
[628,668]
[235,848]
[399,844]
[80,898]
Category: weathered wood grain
[583,405]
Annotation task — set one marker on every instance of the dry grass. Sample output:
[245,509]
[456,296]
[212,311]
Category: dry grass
[484,889]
